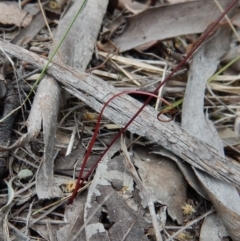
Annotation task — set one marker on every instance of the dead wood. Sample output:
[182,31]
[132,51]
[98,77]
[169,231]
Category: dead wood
[11,101]
[95,92]
[76,51]
[224,197]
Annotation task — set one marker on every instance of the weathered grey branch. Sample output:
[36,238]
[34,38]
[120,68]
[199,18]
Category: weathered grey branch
[95,92]
[11,101]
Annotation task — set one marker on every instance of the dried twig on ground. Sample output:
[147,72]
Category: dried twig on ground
[94,92]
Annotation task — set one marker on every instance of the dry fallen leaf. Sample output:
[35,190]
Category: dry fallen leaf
[74,215]
[49,102]
[169,21]
[12,15]
[111,195]
[213,224]
[163,180]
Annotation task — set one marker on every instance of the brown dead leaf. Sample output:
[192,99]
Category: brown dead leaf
[12,15]
[163,181]
[184,167]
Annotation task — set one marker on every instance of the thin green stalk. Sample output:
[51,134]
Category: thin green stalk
[180,101]
[224,68]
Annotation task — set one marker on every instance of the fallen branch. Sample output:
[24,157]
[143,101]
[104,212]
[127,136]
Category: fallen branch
[95,92]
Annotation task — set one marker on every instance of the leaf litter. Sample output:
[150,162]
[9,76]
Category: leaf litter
[116,205]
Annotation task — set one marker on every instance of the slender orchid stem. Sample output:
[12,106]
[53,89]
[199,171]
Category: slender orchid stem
[198,43]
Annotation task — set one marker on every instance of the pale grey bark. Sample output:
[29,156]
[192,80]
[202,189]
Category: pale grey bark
[95,92]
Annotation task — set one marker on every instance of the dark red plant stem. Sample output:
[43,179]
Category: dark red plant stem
[95,136]
[198,43]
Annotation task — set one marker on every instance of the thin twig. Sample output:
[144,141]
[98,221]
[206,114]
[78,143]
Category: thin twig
[49,30]
[90,217]
[100,65]
[190,224]
[228,20]
[146,196]
[131,226]
[160,92]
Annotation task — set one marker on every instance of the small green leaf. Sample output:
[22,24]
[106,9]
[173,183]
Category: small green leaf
[24,174]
